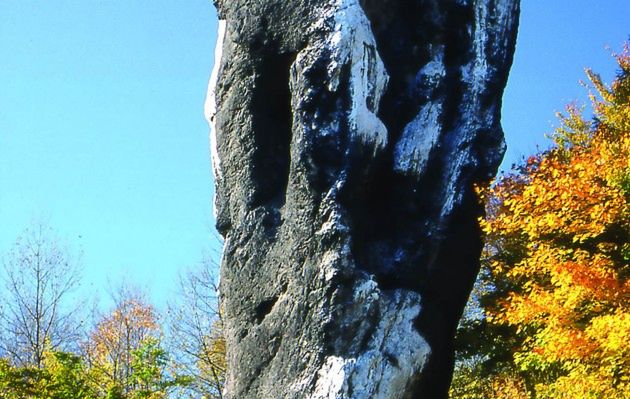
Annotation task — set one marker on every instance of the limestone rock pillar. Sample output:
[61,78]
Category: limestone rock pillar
[347,136]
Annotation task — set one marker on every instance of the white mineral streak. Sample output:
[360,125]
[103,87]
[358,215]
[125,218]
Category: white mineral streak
[395,352]
[473,117]
[352,43]
[210,107]
[332,378]
[420,136]
[412,151]
[476,73]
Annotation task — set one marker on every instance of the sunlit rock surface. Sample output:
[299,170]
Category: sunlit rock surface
[346,139]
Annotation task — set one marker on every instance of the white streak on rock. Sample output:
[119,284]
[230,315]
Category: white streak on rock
[395,352]
[368,78]
[351,42]
[331,379]
[210,107]
[421,135]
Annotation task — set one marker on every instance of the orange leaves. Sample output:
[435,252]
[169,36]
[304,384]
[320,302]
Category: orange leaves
[131,322]
[560,198]
[507,387]
[557,247]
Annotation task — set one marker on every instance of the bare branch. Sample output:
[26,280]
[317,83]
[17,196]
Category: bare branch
[39,275]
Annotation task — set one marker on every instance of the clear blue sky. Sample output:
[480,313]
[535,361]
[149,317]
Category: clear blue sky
[102,129]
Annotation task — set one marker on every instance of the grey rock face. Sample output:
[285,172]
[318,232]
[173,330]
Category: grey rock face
[347,136]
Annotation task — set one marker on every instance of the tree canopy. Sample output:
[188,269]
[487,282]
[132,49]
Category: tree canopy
[554,287]
[128,352]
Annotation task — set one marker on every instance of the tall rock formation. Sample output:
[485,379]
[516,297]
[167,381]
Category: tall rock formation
[347,136]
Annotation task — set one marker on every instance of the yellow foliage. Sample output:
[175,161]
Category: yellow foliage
[558,235]
[111,344]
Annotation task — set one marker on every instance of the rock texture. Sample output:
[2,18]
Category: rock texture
[347,136]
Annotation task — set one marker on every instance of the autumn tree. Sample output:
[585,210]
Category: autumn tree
[123,359]
[39,275]
[110,346]
[557,297]
[196,331]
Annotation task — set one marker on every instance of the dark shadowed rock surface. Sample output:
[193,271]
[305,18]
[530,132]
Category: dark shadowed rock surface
[347,136]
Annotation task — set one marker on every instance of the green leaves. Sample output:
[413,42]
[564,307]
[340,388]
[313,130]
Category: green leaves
[150,373]
[63,376]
